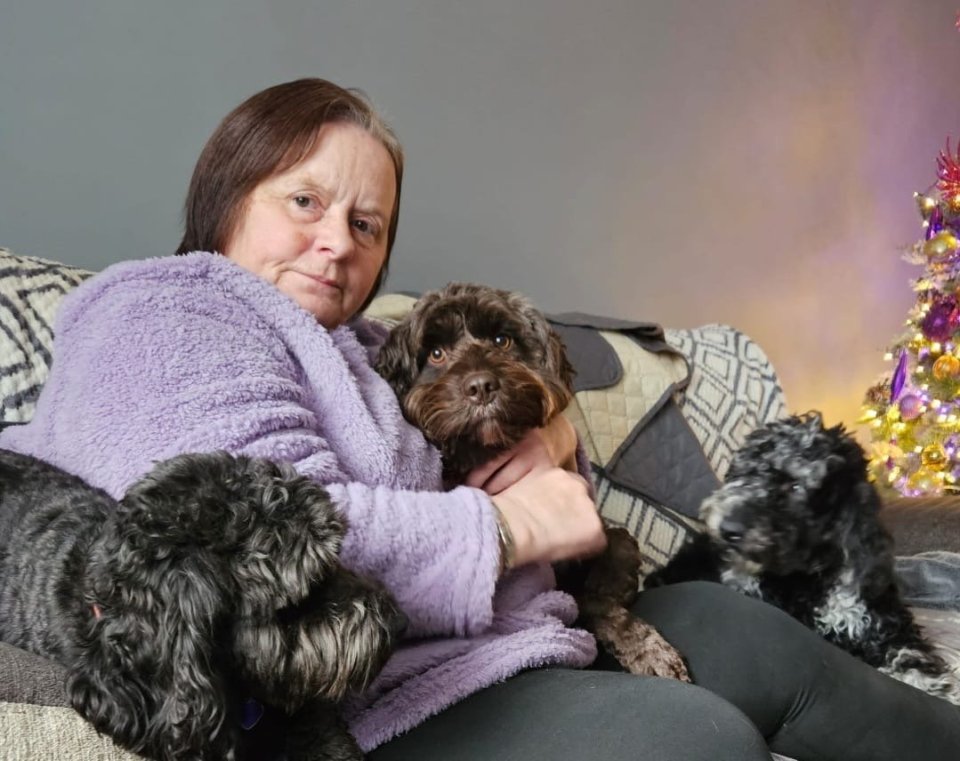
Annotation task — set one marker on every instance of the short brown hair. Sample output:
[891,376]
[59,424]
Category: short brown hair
[265,135]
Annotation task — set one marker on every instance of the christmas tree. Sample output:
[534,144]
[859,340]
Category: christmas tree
[914,411]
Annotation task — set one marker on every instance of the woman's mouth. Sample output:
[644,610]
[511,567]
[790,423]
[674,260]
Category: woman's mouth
[322,280]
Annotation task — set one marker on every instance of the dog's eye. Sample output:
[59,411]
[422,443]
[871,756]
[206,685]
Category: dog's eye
[437,355]
[502,341]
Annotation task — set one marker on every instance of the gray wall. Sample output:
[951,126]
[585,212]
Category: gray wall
[741,161]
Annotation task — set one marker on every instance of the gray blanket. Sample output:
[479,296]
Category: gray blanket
[930,579]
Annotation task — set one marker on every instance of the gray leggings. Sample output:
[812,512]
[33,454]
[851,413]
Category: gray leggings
[763,681]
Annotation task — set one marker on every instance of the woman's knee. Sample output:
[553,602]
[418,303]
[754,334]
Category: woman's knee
[747,651]
[692,723]
[711,612]
[567,715]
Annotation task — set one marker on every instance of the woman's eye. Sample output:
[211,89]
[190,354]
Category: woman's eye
[365,226]
[502,341]
[303,202]
[437,355]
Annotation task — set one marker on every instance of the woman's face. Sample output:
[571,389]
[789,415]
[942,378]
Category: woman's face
[318,231]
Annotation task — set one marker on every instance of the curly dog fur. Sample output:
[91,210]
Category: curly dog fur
[476,368]
[214,579]
[796,523]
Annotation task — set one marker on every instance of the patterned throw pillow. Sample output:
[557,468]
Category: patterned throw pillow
[30,293]
[733,389]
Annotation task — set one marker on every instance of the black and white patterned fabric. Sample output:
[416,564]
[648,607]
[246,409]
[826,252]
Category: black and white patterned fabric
[30,293]
[733,389]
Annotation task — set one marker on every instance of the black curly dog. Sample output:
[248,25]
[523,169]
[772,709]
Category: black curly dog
[214,580]
[796,523]
[476,368]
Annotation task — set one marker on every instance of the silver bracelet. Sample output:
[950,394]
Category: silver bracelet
[507,546]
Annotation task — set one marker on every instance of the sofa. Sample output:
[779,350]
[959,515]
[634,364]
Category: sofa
[660,413]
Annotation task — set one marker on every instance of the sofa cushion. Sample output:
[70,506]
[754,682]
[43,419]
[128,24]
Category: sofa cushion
[30,293]
[29,732]
[921,524]
[28,678]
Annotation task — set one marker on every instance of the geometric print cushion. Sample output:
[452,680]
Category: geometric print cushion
[604,417]
[732,390]
[30,293]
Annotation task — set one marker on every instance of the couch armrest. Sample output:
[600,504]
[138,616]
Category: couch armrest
[28,678]
[922,524]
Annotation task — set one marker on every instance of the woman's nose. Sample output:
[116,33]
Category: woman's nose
[333,235]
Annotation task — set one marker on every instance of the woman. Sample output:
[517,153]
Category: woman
[250,342]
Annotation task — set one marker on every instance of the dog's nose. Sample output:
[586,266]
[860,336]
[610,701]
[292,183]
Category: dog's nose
[481,387]
[731,530]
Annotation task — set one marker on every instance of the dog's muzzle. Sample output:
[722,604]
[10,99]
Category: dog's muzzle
[480,387]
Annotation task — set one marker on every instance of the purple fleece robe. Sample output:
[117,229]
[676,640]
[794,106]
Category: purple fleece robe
[193,353]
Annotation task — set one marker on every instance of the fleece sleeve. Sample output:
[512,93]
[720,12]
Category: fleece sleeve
[142,376]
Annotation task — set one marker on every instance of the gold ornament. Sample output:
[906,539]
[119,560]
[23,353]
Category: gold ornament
[946,367]
[953,203]
[940,245]
[933,457]
[924,482]
[925,204]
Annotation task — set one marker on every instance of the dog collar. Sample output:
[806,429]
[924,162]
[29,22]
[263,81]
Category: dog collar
[250,713]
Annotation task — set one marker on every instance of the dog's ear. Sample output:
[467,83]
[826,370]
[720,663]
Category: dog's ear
[294,542]
[397,359]
[556,368]
[151,674]
[334,641]
[559,363]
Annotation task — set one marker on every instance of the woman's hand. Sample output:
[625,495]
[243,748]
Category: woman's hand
[551,517]
[554,445]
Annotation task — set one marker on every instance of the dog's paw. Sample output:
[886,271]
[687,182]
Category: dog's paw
[655,657]
[638,647]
